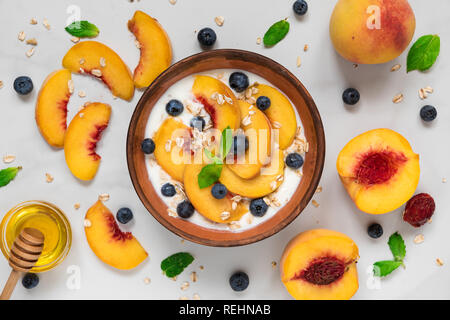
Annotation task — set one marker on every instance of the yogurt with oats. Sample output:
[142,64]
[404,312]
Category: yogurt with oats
[182,91]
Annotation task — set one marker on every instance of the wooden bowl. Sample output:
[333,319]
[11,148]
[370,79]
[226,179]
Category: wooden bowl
[279,77]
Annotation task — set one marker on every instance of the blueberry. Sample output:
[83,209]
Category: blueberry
[239,281]
[124,215]
[263,103]
[294,160]
[174,107]
[198,122]
[258,207]
[375,230]
[168,190]
[240,144]
[350,96]
[30,280]
[239,81]
[185,209]
[300,7]
[23,85]
[148,146]
[207,37]
[428,113]
[219,191]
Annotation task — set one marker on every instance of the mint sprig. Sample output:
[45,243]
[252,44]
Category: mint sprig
[7,175]
[423,53]
[175,264]
[82,29]
[398,249]
[276,33]
[211,172]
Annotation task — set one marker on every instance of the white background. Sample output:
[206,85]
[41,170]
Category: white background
[325,75]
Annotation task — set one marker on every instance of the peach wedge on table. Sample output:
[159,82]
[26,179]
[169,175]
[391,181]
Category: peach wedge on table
[280,113]
[379,170]
[270,178]
[98,60]
[114,247]
[320,264]
[81,139]
[219,101]
[217,210]
[51,107]
[156,50]
[258,132]
[168,154]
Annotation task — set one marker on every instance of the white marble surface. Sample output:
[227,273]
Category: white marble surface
[325,75]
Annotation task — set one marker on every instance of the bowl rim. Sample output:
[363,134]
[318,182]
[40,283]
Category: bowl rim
[318,168]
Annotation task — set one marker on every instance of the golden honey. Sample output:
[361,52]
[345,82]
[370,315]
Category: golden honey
[45,217]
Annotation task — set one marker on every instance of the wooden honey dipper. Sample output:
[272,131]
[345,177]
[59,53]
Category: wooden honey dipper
[23,255]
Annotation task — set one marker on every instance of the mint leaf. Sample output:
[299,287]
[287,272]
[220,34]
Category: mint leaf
[276,33]
[423,53]
[397,246]
[176,263]
[212,157]
[383,268]
[209,175]
[226,142]
[82,29]
[7,175]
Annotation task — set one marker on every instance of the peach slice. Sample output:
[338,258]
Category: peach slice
[156,50]
[51,107]
[320,264]
[268,181]
[114,247]
[81,139]
[168,154]
[259,136]
[100,61]
[280,113]
[219,101]
[379,170]
[204,202]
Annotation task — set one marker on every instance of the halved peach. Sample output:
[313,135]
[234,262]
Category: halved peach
[168,154]
[100,61]
[203,201]
[51,107]
[380,170]
[258,132]
[81,139]
[219,101]
[270,178]
[320,264]
[156,50]
[280,113]
[114,247]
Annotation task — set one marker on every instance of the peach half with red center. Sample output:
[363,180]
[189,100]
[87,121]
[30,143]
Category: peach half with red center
[51,107]
[81,139]
[379,170]
[100,61]
[114,247]
[320,264]
[156,50]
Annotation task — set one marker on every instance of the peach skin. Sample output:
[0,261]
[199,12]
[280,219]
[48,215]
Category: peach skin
[372,31]
[156,50]
[98,60]
[379,170]
[114,247]
[51,107]
[320,264]
[81,139]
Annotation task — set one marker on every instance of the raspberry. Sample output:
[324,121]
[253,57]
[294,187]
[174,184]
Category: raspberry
[419,209]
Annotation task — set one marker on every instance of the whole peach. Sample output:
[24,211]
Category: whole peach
[372,31]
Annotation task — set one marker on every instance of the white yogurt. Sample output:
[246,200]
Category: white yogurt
[182,91]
